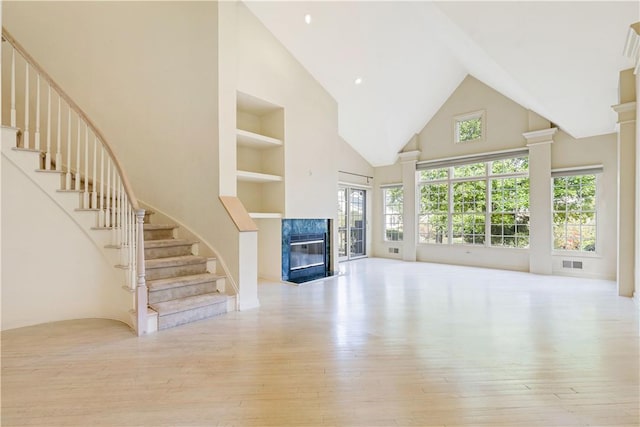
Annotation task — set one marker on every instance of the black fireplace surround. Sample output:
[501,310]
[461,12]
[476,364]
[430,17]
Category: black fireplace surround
[305,249]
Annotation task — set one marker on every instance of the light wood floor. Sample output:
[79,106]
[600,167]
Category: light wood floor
[387,344]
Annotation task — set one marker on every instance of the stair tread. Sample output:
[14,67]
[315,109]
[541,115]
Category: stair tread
[166,243]
[160,226]
[187,303]
[174,261]
[162,284]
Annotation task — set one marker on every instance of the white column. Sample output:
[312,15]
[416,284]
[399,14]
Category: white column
[636,292]
[540,227]
[409,209]
[248,273]
[626,110]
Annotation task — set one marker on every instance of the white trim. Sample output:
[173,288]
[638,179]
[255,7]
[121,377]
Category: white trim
[409,156]
[354,185]
[383,186]
[539,137]
[624,107]
[479,114]
[587,170]
[473,158]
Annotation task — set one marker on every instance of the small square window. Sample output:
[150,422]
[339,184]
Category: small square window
[469,127]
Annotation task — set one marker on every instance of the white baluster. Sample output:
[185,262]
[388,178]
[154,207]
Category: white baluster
[59,138]
[107,218]
[114,207]
[101,197]
[78,168]
[85,197]
[118,240]
[47,156]
[125,236]
[13,88]
[37,135]
[132,247]
[67,185]
[25,143]
[94,193]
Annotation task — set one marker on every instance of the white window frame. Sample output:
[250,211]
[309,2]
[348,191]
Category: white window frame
[385,214]
[450,164]
[597,171]
[480,114]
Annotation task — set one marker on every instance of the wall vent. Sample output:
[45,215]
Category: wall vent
[572,264]
[394,250]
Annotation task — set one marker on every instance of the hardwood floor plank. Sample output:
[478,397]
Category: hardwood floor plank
[388,343]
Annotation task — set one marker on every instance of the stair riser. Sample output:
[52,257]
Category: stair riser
[181,270]
[158,234]
[154,253]
[182,292]
[200,313]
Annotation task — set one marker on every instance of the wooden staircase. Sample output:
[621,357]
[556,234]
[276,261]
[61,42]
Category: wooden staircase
[181,290]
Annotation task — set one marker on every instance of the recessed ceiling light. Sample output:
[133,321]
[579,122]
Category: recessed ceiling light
[358,80]
[307,18]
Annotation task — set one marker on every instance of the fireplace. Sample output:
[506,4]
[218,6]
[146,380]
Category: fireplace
[305,249]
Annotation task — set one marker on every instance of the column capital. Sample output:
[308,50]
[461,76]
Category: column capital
[409,156]
[632,46]
[626,112]
[539,137]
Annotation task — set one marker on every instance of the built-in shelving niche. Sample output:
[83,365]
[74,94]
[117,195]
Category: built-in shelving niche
[260,156]
[260,143]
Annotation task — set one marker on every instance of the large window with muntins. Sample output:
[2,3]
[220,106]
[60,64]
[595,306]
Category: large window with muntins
[574,212]
[393,204]
[476,203]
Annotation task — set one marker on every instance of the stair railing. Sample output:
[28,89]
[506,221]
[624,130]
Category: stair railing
[74,146]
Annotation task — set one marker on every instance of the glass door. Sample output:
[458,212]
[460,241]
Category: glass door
[352,222]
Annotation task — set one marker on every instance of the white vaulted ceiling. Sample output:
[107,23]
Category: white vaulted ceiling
[559,59]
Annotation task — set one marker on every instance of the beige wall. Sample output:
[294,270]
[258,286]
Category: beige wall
[506,121]
[147,75]
[313,150]
[266,70]
[51,269]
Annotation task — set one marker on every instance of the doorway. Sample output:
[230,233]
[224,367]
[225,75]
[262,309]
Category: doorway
[352,223]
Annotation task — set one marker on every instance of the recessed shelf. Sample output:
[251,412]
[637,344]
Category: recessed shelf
[255,140]
[257,177]
[265,215]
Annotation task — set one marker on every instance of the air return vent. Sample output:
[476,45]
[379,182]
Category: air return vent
[572,264]
[394,250]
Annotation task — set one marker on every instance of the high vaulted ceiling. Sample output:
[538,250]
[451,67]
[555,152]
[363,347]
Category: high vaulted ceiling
[559,59]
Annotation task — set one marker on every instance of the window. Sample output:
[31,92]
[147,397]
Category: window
[469,127]
[393,202]
[574,212]
[475,203]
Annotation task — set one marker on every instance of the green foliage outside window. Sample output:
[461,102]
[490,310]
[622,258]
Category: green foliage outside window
[574,213]
[469,130]
[393,204]
[468,210]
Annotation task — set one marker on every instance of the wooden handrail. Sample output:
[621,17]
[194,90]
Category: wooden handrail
[34,64]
